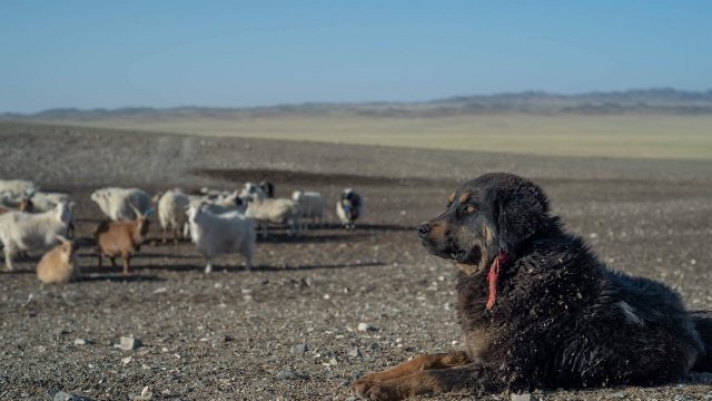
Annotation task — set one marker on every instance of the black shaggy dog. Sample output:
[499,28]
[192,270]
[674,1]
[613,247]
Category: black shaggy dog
[539,310]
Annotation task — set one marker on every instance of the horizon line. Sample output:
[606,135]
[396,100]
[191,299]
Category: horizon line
[657,90]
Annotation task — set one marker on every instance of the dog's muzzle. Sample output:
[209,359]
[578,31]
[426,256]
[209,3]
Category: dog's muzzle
[424,230]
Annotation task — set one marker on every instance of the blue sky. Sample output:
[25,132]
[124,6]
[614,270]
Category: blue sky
[108,54]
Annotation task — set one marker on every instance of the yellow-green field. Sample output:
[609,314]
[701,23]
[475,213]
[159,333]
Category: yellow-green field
[623,136]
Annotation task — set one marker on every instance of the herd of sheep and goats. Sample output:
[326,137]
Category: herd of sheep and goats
[217,222]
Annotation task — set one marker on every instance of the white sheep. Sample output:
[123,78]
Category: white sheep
[116,202]
[221,234]
[22,232]
[44,201]
[171,213]
[349,207]
[312,205]
[226,203]
[279,210]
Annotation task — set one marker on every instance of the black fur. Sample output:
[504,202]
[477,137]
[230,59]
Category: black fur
[562,319]
[268,188]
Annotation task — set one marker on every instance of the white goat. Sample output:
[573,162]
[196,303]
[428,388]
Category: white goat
[279,210]
[252,190]
[171,213]
[116,202]
[17,188]
[312,205]
[29,232]
[221,234]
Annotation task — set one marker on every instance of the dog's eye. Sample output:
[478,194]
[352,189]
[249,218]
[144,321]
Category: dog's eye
[470,209]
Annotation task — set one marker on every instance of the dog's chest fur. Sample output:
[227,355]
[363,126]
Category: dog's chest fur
[552,280]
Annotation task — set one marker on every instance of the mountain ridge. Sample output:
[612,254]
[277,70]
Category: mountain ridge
[634,101]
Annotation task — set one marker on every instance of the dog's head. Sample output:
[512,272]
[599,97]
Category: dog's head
[486,216]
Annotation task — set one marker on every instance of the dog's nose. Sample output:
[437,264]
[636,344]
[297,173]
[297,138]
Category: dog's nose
[423,229]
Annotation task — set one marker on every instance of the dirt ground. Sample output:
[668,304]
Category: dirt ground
[288,329]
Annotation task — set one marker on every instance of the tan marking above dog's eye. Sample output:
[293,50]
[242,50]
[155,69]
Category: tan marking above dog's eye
[450,199]
[470,209]
[464,197]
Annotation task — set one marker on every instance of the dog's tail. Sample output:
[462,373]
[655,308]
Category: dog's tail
[703,324]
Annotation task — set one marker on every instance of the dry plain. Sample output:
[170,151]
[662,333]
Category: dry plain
[228,335]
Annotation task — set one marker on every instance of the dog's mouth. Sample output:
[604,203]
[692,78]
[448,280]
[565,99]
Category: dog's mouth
[452,252]
[457,256]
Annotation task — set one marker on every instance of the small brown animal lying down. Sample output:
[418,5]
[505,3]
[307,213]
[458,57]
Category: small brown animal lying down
[121,238]
[59,265]
[539,310]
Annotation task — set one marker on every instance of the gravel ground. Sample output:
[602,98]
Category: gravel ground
[289,329]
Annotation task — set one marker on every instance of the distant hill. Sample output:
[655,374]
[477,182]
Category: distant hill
[639,101]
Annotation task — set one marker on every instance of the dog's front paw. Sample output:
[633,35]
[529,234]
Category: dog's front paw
[382,391]
[362,385]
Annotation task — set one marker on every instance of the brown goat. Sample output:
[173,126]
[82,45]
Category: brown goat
[121,238]
[59,265]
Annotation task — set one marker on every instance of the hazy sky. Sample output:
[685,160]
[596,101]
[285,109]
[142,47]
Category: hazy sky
[110,54]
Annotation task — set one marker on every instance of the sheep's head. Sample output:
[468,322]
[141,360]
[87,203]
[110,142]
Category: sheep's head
[63,212]
[253,191]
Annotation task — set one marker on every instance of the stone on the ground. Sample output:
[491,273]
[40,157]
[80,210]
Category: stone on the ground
[354,352]
[366,327]
[291,375]
[298,349]
[522,397]
[129,343]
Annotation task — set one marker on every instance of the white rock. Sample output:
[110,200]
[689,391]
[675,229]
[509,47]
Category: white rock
[298,349]
[522,397]
[129,343]
[366,327]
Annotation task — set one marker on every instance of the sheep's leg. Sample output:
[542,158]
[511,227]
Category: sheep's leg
[113,261]
[98,254]
[126,259]
[208,265]
[175,235]
[71,230]
[164,236]
[248,261]
[9,254]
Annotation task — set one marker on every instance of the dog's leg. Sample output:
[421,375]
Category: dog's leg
[419,363]
[470,377]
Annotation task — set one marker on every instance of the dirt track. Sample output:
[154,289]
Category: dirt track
[227,335]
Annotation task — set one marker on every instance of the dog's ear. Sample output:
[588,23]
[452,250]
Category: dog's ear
[521,210]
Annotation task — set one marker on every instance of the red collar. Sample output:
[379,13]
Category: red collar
[492,277]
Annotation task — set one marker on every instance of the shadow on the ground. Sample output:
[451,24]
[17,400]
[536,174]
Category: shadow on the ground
[108,275]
